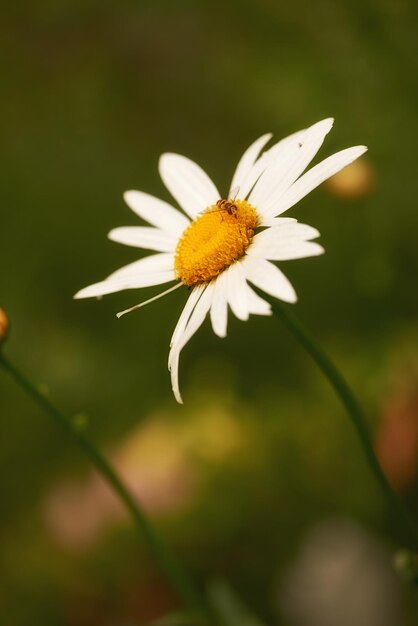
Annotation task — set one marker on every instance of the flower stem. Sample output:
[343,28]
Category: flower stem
[349,401]
[172,568]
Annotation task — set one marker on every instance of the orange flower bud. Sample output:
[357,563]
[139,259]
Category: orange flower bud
[355,181]
[4,325]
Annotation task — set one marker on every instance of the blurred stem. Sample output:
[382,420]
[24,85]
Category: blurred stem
[172,568]
[349,401]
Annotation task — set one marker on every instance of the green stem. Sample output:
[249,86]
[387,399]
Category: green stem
[349,401]
[172,568]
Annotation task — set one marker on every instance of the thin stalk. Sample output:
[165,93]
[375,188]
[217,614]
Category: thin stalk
[349,401]
[172,568]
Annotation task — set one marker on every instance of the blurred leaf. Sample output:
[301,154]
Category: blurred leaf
[178,619]
[80,421]
[406,564]
[230,608]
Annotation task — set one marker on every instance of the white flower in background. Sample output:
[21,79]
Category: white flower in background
[217,247]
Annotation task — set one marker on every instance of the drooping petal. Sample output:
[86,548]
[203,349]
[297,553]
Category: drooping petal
[187,183]
[186,312]
[195,319]
[144,237]
[156,212]
[219,308]
[268,278]
[284,171]
[312,179]
[194,322]
[247,161]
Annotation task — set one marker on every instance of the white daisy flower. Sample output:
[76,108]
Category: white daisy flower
[217,247]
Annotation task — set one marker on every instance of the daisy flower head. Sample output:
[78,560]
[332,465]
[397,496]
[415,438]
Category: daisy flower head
[218,246]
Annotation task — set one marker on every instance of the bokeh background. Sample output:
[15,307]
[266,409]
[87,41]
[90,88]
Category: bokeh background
[258,482]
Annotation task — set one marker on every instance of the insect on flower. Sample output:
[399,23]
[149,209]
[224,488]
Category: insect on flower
[226,205]
[219,247]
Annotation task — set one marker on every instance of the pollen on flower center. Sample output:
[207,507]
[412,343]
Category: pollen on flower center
[214,240]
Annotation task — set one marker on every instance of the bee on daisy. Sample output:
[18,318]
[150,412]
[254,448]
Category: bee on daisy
[218,246]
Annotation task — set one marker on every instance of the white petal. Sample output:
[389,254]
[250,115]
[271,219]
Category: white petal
[285,250]
[187,311]
[281,174]
[284,242]
[276,221]
[219,308]
[268,278]
[282,145]
[273,237]
[156,212]
[300,250]
[274,173]
[196,319]
[153,263]
[187,183]
[247,161]
[144,237]
[236,291]
[256,305]
[296,230]
[118,284]
[266,159]
[313,178]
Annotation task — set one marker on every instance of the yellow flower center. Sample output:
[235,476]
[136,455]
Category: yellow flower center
[214,240]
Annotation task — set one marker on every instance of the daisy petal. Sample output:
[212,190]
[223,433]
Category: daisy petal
[273,173]
[283,144]
[266,159]
[237,292]
[119,284]
[313,178]
[256,305]
[281,174]
[285,250]
[196,319]
[219,308]
[156,212]
[187,183]
[153,263]
[185,314]
[247,161]
[284,231]
[276,221]
[144,237]
[296,230]
[268,278]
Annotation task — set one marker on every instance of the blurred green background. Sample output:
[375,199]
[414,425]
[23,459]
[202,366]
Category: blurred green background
[261,459]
